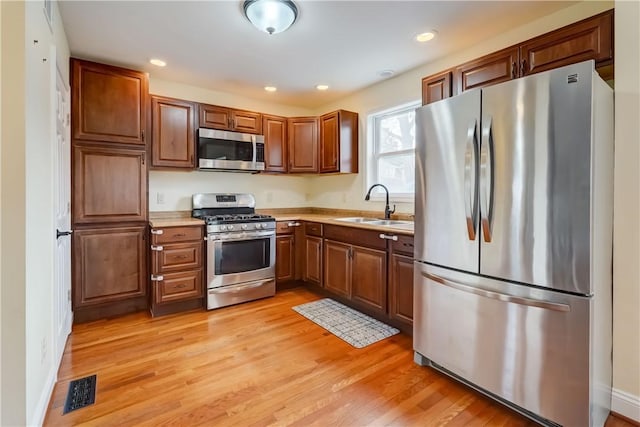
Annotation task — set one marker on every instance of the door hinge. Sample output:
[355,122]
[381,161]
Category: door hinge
[157,278]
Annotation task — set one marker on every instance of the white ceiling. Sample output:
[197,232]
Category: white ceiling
[344,44]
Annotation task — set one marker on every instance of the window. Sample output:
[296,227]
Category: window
[392,145]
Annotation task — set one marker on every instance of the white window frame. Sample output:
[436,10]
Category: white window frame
[373,154]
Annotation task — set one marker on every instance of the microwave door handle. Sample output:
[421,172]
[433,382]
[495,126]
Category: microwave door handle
[253,144]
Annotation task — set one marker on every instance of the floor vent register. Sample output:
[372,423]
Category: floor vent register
[82,392]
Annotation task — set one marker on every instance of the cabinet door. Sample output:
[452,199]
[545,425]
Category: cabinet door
[173,142]
[436,87]
[108,104]
[247,121]
[109,185]
[313,260]
[275,141]
[180,286]
[588,39]
[303,144]
[337,268]
[401,288]
[285,258]
[212,116]
[109,264]
[329,142]
[495,68]
[369,278]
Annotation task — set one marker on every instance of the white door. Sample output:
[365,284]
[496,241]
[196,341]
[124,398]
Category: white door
[62,170]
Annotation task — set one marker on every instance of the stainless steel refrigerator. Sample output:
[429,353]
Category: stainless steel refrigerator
[513,243]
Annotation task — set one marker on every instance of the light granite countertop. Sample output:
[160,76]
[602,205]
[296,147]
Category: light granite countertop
[183,218]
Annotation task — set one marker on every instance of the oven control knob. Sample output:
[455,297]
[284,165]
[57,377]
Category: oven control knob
[223,227]
[244,226]
[229,227]
[258,226]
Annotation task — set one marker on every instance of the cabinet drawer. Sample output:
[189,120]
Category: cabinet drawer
[177,256]
[404,244]
[313,229]
[356,236]
[178,286]
[287,227]
[176,234]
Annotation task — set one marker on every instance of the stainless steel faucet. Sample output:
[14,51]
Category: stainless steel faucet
[387,210]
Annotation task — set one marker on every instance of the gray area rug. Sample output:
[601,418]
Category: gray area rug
[348,324]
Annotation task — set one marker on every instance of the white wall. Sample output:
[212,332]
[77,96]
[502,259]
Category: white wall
[271,191]
[332,191]
[13,322]
[28,237]
[626,237]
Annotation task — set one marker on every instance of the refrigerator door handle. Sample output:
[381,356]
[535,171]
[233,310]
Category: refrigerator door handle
[486,179]
[470,185]
[497,295]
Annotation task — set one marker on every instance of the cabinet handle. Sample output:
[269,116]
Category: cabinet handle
[386,236]
[523,66]
[181,286]
[179,235]
[350,254]
[513,70]
[293,224]
[142,134]
[157,231]
[181,257]
[157,278]
[157,248]
[143,159]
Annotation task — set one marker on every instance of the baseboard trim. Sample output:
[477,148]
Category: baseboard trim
[43,403]
[625,404]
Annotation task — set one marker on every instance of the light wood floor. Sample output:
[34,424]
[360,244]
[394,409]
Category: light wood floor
[258,364]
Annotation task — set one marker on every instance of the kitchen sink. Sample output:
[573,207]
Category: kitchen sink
[390,222]
[358,219]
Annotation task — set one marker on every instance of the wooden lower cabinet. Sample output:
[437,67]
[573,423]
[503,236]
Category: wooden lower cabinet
[285,258]
[109,271]
[337,268]
[177,269]
[313,260]
[401,288]
[369,278]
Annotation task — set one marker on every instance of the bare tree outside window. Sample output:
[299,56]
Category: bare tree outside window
[393,150]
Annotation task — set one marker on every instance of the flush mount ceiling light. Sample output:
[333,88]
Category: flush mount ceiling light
[270,88]
[425,37]
[322,87]
[158,62]
[271,16]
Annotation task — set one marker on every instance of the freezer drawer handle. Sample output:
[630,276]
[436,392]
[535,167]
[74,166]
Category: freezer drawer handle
[496,295]
[486,179]
[470,187]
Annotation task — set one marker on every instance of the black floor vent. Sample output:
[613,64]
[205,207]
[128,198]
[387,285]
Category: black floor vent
[81,393]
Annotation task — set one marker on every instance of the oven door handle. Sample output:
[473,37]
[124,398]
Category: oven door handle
[230,238]
[238,288]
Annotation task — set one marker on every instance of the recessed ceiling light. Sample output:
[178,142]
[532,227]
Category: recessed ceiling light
[425,37]
[158,62]
[386,73]
[322,87]
[270,88]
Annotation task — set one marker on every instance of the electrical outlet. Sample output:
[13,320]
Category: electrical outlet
[160,198]
[43,350]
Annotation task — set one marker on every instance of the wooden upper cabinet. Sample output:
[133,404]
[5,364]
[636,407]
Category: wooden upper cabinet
[216,117]
[109,264]
[437,87]
[109,185]
[275,141]
[303,144]
[591,38]
[494,68]
[339,142]
[109,103]
[173,143]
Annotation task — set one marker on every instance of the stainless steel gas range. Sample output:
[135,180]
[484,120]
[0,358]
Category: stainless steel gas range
[240,248]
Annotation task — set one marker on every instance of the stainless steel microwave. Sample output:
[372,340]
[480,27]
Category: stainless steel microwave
[230,151]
